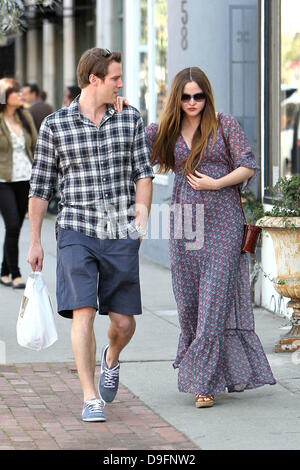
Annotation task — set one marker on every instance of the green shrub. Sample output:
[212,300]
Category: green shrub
[286,197]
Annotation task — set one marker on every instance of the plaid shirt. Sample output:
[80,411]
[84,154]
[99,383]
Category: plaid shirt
[96,167]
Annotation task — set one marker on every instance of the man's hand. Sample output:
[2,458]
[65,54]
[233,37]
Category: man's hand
[36,256]
[143,199]
[37,212]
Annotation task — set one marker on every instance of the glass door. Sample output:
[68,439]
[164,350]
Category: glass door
[290,88]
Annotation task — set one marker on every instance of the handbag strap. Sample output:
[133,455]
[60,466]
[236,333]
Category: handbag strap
[230,165]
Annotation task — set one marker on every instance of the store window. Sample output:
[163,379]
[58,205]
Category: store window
[84,26]
[152,58]
[143,60]
[281,104]
[152,63]
[290,88]
[161,39]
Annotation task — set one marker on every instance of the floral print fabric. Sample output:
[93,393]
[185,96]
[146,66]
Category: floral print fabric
[218,348]
[21,162]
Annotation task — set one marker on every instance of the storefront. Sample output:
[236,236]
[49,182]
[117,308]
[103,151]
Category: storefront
[280,130]
[250,50]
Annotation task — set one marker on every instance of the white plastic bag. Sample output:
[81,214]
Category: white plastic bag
[35,325]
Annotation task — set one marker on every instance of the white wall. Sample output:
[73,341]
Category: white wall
[208,41]
[265,294]
[104,24]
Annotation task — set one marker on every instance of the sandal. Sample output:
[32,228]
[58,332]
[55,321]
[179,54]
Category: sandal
[5,281]
[18,283]
[204,401]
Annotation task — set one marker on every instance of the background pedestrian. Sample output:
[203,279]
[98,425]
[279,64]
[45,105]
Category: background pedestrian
[71,92]
[17,143]
[37,107]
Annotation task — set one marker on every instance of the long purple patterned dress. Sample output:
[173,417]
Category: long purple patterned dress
[218,348]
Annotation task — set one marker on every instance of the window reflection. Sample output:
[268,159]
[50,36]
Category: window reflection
[161,54]
[143,60]
[143,22]
[157,47]
[144,85]
[290,87]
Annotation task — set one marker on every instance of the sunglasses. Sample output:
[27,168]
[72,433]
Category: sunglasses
[197,97]
[105,53]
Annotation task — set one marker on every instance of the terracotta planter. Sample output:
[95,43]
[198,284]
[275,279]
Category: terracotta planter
[285,234]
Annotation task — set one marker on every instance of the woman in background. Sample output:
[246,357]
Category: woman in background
[17,143]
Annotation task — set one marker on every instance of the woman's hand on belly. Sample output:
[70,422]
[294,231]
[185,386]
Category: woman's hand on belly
[202,182]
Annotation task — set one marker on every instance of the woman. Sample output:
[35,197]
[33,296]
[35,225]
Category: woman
[17,143]
[218,348]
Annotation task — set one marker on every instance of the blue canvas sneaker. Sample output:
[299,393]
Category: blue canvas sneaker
[109,379]
[93,410]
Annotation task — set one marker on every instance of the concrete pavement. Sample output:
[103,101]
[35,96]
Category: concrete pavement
[266,418]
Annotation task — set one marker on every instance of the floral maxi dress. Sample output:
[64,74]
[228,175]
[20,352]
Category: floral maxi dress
[218,348]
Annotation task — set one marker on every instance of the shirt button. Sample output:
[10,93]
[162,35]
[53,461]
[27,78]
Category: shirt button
[104,179]
[106,195]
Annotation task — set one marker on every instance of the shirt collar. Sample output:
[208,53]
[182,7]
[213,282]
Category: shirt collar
[73,107]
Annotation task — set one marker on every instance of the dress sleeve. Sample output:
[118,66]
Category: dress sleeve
[151,131]
[240,150]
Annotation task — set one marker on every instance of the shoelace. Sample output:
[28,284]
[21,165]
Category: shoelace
[95,405]
[110,377]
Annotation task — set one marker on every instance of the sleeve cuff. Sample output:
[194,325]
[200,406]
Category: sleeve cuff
[147,173]
[45,193]
[247,160]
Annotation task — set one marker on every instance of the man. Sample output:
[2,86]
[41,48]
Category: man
[70,94]
[37,107]
[106,191]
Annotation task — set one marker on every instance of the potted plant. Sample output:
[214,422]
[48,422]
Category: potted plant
[283,225]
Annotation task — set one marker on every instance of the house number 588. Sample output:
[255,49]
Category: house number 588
[184,29]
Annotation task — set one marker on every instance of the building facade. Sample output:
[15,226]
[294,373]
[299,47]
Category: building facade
[250,50]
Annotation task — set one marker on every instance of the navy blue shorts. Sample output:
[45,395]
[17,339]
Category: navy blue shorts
[102,274]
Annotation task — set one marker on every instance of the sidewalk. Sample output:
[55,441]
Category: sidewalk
[41,407]
[40,396]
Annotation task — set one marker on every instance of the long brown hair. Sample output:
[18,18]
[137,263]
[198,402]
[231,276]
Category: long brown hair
[171,119]
[8,86]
